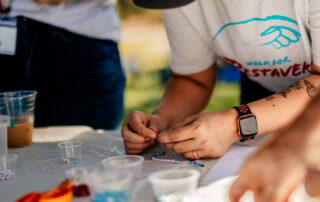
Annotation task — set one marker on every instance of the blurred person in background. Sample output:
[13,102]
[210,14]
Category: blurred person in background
[67,51]
[291,159]
[278,50]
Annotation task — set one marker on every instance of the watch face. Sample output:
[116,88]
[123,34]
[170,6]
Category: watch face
[248,126]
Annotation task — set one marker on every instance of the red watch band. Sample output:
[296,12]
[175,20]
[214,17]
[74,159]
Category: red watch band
[243,110]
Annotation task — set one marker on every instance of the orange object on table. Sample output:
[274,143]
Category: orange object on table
[30,197]
[67,184]
[63,193]
[60,194]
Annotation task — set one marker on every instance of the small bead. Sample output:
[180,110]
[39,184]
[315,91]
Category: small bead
[8,176]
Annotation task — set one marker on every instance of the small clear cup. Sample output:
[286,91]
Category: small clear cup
[130,163]
[71,151]
[80,175]
[110,186]
[176,181]
[7,166]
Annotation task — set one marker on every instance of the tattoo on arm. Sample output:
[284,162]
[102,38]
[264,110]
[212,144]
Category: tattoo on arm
[270,98]
[311,89]
[296,86]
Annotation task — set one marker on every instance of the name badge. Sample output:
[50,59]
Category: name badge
[8,35]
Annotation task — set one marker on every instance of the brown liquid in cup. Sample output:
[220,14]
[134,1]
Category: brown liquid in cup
[21,134]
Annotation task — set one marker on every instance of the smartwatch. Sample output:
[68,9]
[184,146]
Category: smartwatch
[246,122]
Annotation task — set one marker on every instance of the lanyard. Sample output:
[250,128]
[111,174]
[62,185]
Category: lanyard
[5,7]
[0,6]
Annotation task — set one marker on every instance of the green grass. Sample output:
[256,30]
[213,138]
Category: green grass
[225,95]
[143,92]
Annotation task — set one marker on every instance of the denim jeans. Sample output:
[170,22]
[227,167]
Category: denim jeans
[79,80]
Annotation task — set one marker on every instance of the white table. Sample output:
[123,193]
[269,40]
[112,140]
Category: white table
[39,166]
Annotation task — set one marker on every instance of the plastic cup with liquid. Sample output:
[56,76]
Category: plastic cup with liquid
[110,186]
[176,181]
[71,151]
[130,163]
[20,107]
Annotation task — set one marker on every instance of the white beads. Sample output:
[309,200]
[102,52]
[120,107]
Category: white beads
[6,174]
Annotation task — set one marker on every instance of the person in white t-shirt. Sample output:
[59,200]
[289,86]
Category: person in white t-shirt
[275,43]
[67,51]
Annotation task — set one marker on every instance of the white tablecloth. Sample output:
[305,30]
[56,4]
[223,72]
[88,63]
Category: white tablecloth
[39,166]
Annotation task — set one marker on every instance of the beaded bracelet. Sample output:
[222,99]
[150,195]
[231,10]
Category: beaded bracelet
[175,161]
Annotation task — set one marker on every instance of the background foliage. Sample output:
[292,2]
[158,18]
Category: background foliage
[146,59]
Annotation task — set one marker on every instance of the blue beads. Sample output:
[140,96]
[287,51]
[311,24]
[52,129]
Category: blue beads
[71,161]
[158,154]
[111,196]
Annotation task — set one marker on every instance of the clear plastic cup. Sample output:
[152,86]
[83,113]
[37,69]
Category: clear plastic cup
[7,166]
[175,181]
[80,175]
[110,186]
[130,163]
[20,107]
[4,122]
[71,151]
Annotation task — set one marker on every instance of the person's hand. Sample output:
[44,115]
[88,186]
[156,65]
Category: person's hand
[139,131]
[272,173]
[209,135]
[50,1]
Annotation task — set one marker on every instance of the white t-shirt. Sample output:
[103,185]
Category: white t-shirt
[93,18]
[270,40]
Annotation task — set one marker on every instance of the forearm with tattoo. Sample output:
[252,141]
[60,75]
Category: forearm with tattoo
[311,89]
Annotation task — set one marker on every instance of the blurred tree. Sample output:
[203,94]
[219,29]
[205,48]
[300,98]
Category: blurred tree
[128,9]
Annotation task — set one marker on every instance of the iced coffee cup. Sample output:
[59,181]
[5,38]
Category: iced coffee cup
[20,105]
